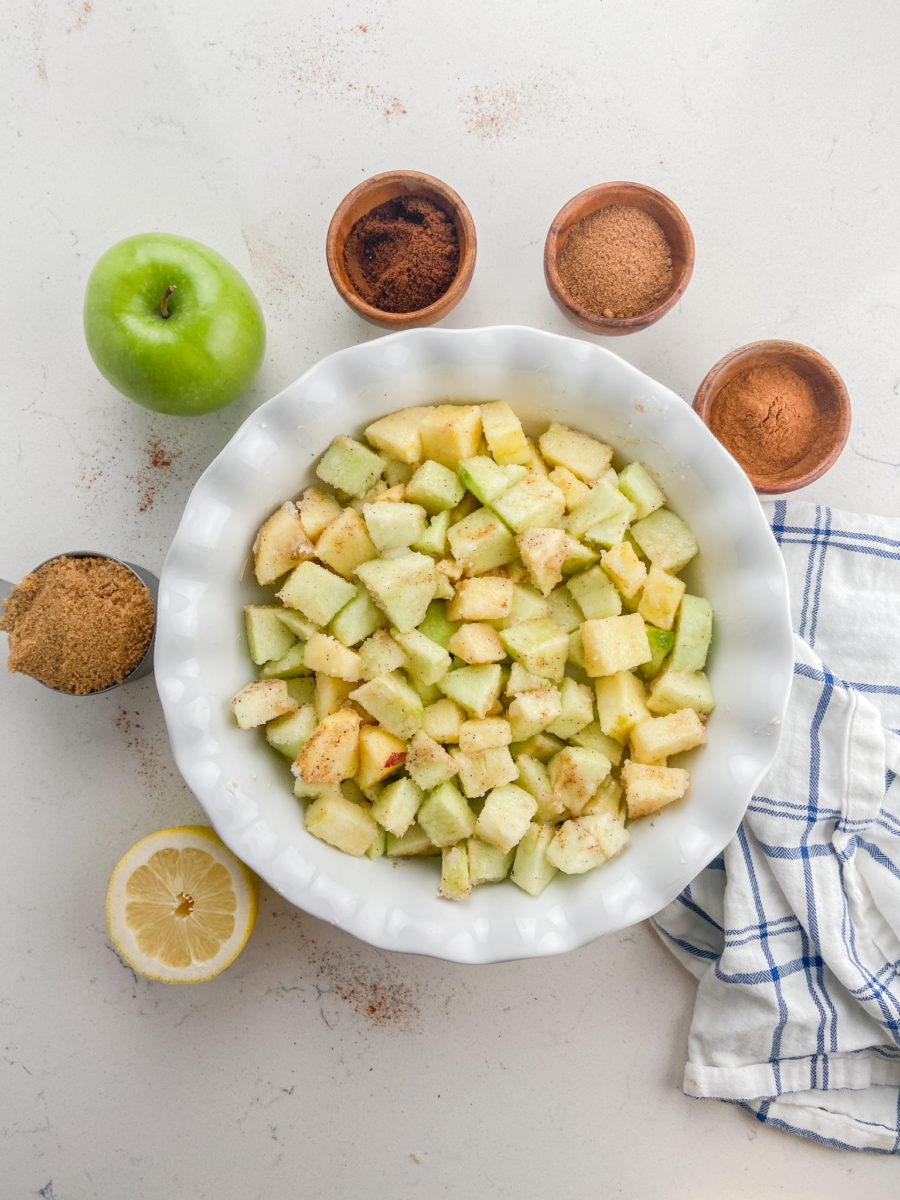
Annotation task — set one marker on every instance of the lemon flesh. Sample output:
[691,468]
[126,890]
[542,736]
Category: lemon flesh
[180,906]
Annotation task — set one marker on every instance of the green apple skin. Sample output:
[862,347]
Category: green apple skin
[198,358]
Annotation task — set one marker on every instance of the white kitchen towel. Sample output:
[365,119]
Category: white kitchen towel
[794,930]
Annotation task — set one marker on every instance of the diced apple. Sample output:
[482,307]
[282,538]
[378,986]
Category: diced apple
[621,704]
[531,712]
[357,620]
[531,869]
[391,526]
[503,433]
[434,539]
[381,655]
[445,816]
[592,737]
[325,653]
[399,433]
[576,709]
[451,432]
[660,737]
[397,805]
[486,598]
[636,482]
[596,594]
[318,593]
[614,644]
[428,764]
[575,775]
[415,843]
[435,487]
[331,754]
[402,587]
[535,778]
[380,754]
[289,733]
[693,634]
[268,637]
[480,542]
[521,680]
[584,456]
[484,734]
[506,815]
[570,485]
[330,695]
[487,479]
[349,466]
[484,770]
[672,690]
[476,689]
[280,544]
[650,788]
[392,702]
[317,509]
[487,864]
[455,883]
[427,661]
[345,543]
[540,646]
[477,642]
[665,540]
[443,720]
[532,503]
[338,821]
[625,569]
[543,551]
[261,701]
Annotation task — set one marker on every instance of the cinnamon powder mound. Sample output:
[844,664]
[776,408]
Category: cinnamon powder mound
[402,255]
[78,624]
[768,418]
[616,262]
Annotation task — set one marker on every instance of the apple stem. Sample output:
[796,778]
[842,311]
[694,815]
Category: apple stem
[164,303]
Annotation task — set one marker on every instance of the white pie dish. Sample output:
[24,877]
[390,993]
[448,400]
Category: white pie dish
[201,658]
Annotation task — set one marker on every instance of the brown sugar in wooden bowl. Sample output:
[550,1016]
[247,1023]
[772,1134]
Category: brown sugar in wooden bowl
[380,190]
[780,409]
[620,195]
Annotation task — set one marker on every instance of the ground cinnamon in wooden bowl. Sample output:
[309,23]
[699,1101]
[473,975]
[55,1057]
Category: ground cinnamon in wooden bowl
[780,409]
[79,623]
[401,249]
[617,257]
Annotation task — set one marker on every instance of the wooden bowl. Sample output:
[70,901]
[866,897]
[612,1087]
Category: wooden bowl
[634,195]
[831,399]
[368,195]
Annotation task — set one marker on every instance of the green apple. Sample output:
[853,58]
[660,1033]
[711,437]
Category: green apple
[172,325]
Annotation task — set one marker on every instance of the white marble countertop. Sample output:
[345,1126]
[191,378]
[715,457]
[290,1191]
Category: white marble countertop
[316,1066]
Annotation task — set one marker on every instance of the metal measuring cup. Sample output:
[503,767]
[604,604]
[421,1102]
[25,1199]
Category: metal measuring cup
[150,582]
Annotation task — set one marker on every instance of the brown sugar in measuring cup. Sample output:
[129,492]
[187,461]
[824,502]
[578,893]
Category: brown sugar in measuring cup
[81,623]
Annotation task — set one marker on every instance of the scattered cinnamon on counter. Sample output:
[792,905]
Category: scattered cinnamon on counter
[402,255]
[78,625]
[768,418]
[616,262]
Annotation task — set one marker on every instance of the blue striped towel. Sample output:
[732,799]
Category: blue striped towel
[794,930]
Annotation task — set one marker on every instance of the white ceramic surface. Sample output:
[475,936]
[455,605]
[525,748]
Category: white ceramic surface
[201,658]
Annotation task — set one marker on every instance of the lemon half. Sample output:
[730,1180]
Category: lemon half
[180,906]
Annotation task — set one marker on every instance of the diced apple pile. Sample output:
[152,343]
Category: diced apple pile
[478,647]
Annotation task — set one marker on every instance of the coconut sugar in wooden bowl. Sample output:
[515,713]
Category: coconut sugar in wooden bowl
[617,257]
